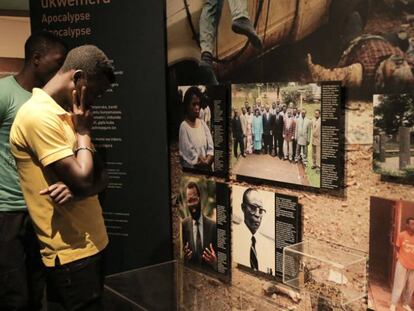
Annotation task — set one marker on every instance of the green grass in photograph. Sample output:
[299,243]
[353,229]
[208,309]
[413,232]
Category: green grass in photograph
[408,172]
[313,175]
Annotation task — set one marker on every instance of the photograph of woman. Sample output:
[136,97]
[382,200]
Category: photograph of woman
[196,147]
[249,142]
[257,131]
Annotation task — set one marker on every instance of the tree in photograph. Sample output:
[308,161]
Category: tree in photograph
[291,96]
[394,111]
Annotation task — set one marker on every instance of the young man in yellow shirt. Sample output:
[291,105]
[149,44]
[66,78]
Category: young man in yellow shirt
[51,141]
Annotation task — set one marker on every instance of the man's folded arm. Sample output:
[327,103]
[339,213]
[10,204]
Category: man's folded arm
[80,174]
[100,180]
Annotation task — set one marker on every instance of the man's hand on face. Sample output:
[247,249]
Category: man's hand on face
[59,193]
[188,253]
[209,256]
[81,114]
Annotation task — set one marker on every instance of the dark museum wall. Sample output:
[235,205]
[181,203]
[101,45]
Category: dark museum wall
[130,131]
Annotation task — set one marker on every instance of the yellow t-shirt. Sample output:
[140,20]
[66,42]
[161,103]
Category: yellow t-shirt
[42,133]
[406,252]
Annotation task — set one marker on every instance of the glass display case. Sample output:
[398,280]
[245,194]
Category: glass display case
[172,286]
[327,271]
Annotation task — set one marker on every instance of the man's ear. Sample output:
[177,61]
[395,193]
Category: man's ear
[78,74]
[36,58]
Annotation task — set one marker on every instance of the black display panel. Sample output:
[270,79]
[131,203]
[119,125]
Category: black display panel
[130,122]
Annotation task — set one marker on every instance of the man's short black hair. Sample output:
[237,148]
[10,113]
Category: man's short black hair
[91,60]
[246,193]
[318,111]
[194,90]
[41,42]
[407,221]
[192,185]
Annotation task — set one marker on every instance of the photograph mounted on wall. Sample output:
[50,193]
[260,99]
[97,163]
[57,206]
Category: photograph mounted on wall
[394,137]
[370,49]
[198,129]
[204,209]
[288,133]
[391,255]
[263,223]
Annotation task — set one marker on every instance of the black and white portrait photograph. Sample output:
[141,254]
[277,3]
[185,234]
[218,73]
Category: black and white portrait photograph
[253,228]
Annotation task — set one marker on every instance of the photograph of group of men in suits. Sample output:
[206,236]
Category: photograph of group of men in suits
[277,128]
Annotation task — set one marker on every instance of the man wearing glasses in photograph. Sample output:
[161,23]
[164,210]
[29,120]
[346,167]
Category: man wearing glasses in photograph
[253,248]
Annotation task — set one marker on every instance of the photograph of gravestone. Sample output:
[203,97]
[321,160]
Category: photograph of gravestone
[394,136]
